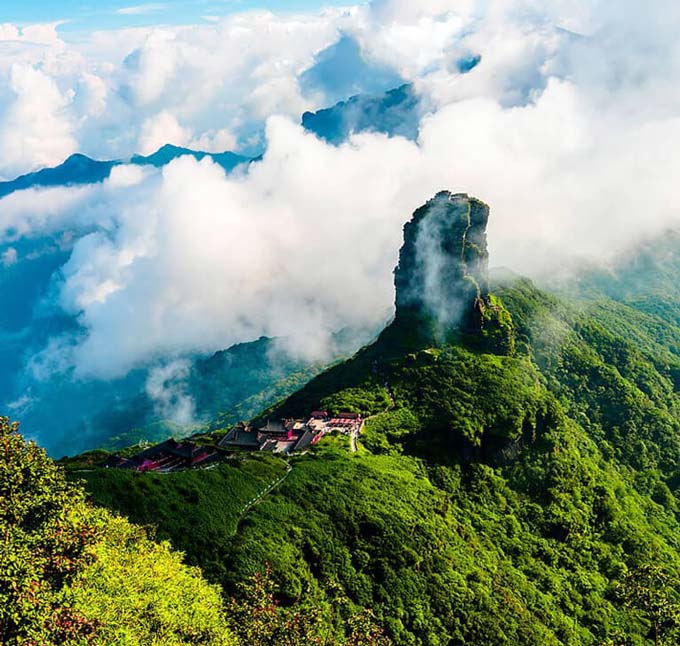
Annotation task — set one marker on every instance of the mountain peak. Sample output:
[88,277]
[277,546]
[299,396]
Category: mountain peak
[442,275]
[395,113]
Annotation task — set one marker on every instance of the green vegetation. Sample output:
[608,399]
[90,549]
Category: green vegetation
[198,510]
[138,592]
[257,618]
[505,492]
[516,483]
[497,328]
[72,575]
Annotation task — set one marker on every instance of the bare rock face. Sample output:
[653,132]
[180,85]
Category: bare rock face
[441,279]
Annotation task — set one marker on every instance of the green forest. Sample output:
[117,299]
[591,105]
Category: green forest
[518,485]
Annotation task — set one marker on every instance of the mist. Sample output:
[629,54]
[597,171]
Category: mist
[567,128]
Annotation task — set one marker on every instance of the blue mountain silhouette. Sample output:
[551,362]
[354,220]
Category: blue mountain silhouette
[80,169]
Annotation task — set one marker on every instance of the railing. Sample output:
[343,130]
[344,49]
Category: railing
[267,489]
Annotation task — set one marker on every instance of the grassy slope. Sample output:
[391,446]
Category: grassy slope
[197,510]
[452,554]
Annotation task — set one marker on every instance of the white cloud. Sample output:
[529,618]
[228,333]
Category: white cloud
[9,257]
[215,141]
[44,34]
[414,48]
[126,176]
[166,386]
[55,359]
[36,129]
[205,261]
[159,130]
[151,67]
[573,140]
[48,211]
[215,78]
[36,34]
[9,31]
[141,9]
[92,92]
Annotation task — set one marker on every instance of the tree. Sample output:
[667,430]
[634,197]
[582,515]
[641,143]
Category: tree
[74,575]
[44,542]
[653,592]
[364,631]
[257,618]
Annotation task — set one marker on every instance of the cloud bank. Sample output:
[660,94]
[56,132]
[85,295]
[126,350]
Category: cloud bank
[108,94]
[568,127]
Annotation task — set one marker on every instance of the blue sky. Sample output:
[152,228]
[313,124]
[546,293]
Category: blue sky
[102,14]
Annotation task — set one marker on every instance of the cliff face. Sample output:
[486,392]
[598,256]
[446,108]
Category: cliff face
[442,278]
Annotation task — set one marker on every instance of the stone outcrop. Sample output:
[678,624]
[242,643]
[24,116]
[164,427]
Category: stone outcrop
[441,280]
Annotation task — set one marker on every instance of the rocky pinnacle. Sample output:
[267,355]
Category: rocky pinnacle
[443,263]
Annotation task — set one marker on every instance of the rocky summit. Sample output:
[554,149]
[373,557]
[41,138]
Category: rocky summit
[442,277]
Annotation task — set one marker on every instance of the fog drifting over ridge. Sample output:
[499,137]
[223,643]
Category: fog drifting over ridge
[572,138]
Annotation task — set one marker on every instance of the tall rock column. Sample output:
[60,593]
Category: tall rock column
[442,277]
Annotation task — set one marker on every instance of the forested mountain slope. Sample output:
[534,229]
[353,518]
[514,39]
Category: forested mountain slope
[518,476]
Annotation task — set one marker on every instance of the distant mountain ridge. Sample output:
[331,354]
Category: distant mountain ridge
[79,169]
[395,113]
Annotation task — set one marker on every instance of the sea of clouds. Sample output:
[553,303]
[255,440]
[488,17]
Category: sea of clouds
[569,128]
